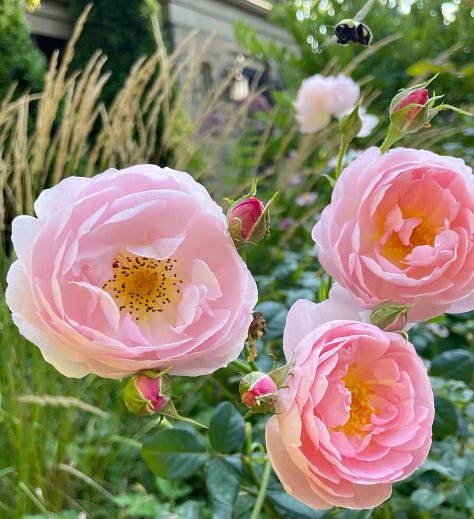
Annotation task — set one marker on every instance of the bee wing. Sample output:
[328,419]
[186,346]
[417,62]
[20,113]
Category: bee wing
[364,11]
[329,41]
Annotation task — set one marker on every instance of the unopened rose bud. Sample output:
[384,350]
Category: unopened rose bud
[351,124]
[148,392]
[248,221]
[390,317]
[410,110]
[258,392]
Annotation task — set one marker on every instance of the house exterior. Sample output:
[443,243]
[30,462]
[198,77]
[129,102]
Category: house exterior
[51,26]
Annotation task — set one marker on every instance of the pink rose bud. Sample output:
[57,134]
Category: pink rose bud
[148,392]
[409,110]
[258,392]
[248,221]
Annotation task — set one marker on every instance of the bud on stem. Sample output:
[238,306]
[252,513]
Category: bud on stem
[148,392]
[248,219]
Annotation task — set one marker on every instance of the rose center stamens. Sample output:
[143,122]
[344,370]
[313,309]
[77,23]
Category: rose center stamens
[399,243]
[361,410]
[142,285]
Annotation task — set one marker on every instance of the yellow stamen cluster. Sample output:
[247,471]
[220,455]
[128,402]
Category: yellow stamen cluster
[361,410]
[423,234]
[142,285]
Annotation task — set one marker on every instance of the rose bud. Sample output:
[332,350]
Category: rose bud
[258,392]
[390,317]
[148,392]
[248,221]
[410,110]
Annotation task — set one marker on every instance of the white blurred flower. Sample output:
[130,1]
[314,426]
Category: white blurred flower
[321,97]
[369,122]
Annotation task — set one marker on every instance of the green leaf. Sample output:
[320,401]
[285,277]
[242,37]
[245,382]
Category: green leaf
[223,485]
[457,364]
[468,70]
[451,472]
[139,504]
[427,499]
[289,505]
[221,510]
[227,429]
[446,418]
[222,481]
[174,453]
[345,513]
[463,494]
[190,510]
[173,490]
[275,316]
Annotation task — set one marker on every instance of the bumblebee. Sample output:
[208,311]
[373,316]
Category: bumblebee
[351,31]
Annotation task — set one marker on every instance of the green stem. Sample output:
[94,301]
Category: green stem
[340,157]
[393,135]
[244,367]
[262,492]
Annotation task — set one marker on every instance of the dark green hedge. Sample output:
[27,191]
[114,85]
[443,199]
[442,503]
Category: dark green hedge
[20,60]
[121,29]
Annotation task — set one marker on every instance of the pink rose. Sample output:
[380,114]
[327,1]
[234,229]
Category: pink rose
[130,270]
[321,97]
[400,228]
[356,415]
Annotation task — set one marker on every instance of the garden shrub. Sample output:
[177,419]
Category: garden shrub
[26,67]
[122,30]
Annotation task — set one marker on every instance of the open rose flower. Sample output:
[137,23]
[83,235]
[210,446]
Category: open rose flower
[130,270]
[356,414]
[400,228]
[321,97]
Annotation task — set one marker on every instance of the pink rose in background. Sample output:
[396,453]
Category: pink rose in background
[400,228]
[321,97]
[356,414]
[130,270]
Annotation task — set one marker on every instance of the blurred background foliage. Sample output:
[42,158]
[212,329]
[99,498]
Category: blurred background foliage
[69,449]
[26,68]
[431,38]
[122,30]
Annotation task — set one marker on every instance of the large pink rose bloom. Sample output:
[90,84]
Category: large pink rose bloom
[130,270]
[321,97]
[400,227]
[356,415]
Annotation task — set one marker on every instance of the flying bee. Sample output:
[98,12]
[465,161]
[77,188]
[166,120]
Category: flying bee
[351,31]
